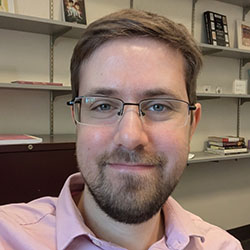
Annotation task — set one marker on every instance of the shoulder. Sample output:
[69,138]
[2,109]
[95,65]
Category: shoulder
[214,236]
[34,221]
[202,234]
[28,213]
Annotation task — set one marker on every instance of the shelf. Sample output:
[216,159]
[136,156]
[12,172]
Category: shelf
[34,87]
[58,138]
[56,90]
[204,96]
[24,23]
[221,51]
[241,3]
[209,157]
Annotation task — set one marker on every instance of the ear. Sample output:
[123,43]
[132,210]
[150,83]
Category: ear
[196,119]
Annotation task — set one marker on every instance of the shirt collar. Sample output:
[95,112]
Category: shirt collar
[69,222]
[180,226]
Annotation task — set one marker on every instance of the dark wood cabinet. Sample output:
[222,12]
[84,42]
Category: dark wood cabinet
[31,171]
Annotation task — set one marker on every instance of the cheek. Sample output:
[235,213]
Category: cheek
[174,144]
[91,141]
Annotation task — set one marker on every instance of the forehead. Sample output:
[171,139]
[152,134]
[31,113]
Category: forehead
[129,67]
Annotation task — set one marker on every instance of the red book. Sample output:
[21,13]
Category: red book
[38,83]
[10,139]
[225,139]
[227,144]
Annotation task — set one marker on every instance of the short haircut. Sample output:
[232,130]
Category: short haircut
[130,23]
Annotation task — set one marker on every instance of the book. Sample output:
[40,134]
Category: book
[38,83]
[226,139]
[226,144]
[74,11]
[11,139]
[7,6]
[216,29]
[227,151]
[228,147]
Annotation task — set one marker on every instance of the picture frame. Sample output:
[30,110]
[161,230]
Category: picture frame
[240,87]
[74,11]
[7,6]
[243,34]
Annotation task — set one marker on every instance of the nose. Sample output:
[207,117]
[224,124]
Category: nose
[130,132]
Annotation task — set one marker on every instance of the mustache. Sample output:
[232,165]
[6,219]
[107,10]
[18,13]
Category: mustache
[137,156]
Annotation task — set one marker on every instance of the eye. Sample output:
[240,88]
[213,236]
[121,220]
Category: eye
[157,107]
[104,107]
[101,107]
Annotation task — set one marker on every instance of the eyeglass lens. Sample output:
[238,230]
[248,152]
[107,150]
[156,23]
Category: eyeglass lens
[107,110]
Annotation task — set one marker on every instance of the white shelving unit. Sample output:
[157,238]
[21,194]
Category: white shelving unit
[49,27]
[56,29]
[35,87]
[221,51]
[208,157]
[44,26]
[241,3]
[54,90]
[242,98]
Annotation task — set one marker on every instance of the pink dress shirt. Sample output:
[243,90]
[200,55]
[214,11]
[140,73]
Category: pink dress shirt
[56,223]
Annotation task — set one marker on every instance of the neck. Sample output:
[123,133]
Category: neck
[141,236]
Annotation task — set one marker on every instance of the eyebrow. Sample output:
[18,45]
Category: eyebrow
[159,92]
[102,91]
[145,94]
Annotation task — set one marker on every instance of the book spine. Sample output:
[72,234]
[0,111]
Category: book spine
[235,151]
[208,27]
[226,144]
[225,139]
[227,151]
[227,147]
[214,151]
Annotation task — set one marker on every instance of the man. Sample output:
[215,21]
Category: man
[133,79]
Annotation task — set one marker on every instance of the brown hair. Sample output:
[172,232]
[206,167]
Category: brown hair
[136,23]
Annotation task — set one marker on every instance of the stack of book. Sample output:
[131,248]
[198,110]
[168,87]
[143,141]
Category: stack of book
[226,145]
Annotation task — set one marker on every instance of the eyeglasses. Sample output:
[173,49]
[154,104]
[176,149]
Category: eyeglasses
[106,111]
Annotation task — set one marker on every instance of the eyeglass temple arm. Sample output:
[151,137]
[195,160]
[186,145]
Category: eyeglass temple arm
[191,107]
[70,103]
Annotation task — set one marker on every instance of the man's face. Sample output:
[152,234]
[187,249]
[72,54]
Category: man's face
[131,168]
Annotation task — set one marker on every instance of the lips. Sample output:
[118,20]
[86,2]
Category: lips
[130,166]
[124,159]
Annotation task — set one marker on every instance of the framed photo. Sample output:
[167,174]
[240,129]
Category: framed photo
[243,34]
[240,87]
[7,5]
[74,11]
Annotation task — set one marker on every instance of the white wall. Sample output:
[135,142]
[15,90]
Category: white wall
[217,192]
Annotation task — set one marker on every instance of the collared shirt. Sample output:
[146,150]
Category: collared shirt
[56,223]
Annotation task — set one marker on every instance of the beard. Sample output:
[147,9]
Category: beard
[131,198]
